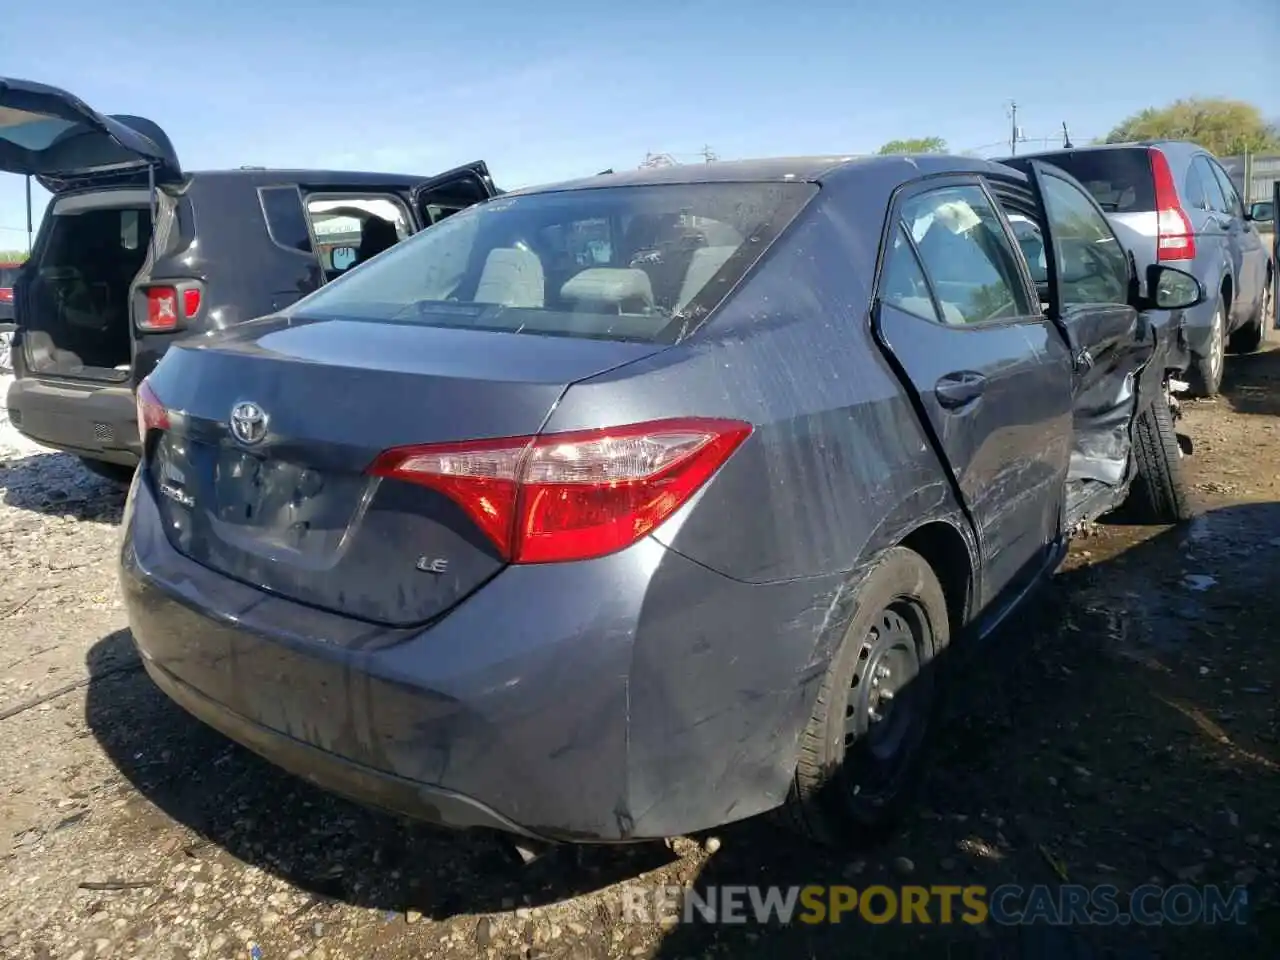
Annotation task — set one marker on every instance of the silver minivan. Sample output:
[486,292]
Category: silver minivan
[1172,202]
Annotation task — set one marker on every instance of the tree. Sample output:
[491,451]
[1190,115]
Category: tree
[1226,127]
[914,145]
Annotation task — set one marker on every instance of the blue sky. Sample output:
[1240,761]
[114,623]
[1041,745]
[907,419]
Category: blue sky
[551,90]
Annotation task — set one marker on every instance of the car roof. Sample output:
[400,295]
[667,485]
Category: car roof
[811,169]
[258,176]
[1102,147]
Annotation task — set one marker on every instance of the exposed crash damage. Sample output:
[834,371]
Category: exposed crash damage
[626,508]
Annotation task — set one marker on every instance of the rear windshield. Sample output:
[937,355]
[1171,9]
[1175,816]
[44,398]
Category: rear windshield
[1120,180]
[7,276]
[622,263]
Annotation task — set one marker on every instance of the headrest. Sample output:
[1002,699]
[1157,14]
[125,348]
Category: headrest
[610,286]
[511,277]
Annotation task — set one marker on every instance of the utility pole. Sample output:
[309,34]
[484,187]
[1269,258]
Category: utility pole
[1066,136]
[1013,128]
[709,155]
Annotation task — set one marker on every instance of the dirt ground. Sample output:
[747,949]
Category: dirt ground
[1123,730]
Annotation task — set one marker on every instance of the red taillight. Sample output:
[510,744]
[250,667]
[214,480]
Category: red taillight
[1175,239]
[162,308]
[571,496]
[168,306]
[152,414]
[6,294]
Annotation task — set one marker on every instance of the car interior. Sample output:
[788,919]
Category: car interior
[79,296]
[369,225]
[654,271]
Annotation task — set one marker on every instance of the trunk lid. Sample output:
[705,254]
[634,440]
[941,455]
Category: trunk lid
[261,475]
[50,134]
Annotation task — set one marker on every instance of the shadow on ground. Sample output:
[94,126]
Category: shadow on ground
[1251,382]
[57,484]
[1122,727]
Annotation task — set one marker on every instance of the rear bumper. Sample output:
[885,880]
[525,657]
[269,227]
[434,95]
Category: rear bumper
[88,419]
[331,772]
[636,696]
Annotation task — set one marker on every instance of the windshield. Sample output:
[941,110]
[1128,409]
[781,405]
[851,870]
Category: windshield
[626,263]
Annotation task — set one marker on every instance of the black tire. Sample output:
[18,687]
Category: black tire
[1205,372]
[1159,493]
[843,792]
[117,473]
[1248,338]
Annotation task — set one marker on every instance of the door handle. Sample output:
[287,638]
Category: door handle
[957,389]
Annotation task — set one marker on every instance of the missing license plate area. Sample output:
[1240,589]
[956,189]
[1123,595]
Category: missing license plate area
[281,504]
[256,491]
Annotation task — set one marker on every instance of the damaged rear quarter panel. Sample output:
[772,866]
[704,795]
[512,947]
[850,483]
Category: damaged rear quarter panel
[836,470]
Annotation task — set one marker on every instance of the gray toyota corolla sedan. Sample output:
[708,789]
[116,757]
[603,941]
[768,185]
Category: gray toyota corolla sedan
[628,507]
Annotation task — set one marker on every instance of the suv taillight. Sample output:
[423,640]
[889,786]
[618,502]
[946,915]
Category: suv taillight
[6,294]
[152,414]
[571,496]
[1175,238]
[168,307]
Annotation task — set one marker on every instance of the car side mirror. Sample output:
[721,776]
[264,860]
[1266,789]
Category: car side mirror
[1263,212]
[1172,289]
[342,257]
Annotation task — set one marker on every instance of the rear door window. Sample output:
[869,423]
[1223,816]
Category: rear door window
[631,263]
[1118,178]
[1195,190]
[447,198]
[1215,200]
[1233,204]
[967,256]
[351,228]
[903,283]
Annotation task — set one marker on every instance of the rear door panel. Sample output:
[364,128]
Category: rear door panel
[996,396]
[1245,248]
[451,191]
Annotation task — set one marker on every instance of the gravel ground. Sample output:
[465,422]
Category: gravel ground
[1123,730]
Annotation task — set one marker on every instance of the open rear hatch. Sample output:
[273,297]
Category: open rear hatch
[49,134]
[262,469]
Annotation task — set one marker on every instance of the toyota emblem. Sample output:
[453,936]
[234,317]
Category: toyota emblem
[248,422]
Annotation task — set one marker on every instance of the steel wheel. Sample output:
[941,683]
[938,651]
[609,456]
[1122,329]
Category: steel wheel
[886,713]
[864,749]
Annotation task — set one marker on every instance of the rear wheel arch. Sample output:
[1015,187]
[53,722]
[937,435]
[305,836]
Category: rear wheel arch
[903,606]
[948,554]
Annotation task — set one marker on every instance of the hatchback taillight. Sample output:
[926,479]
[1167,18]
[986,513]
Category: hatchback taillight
[571,496]
[168,307]
[1175,237]
[152,414]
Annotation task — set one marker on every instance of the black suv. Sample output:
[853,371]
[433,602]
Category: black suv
[134,254]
